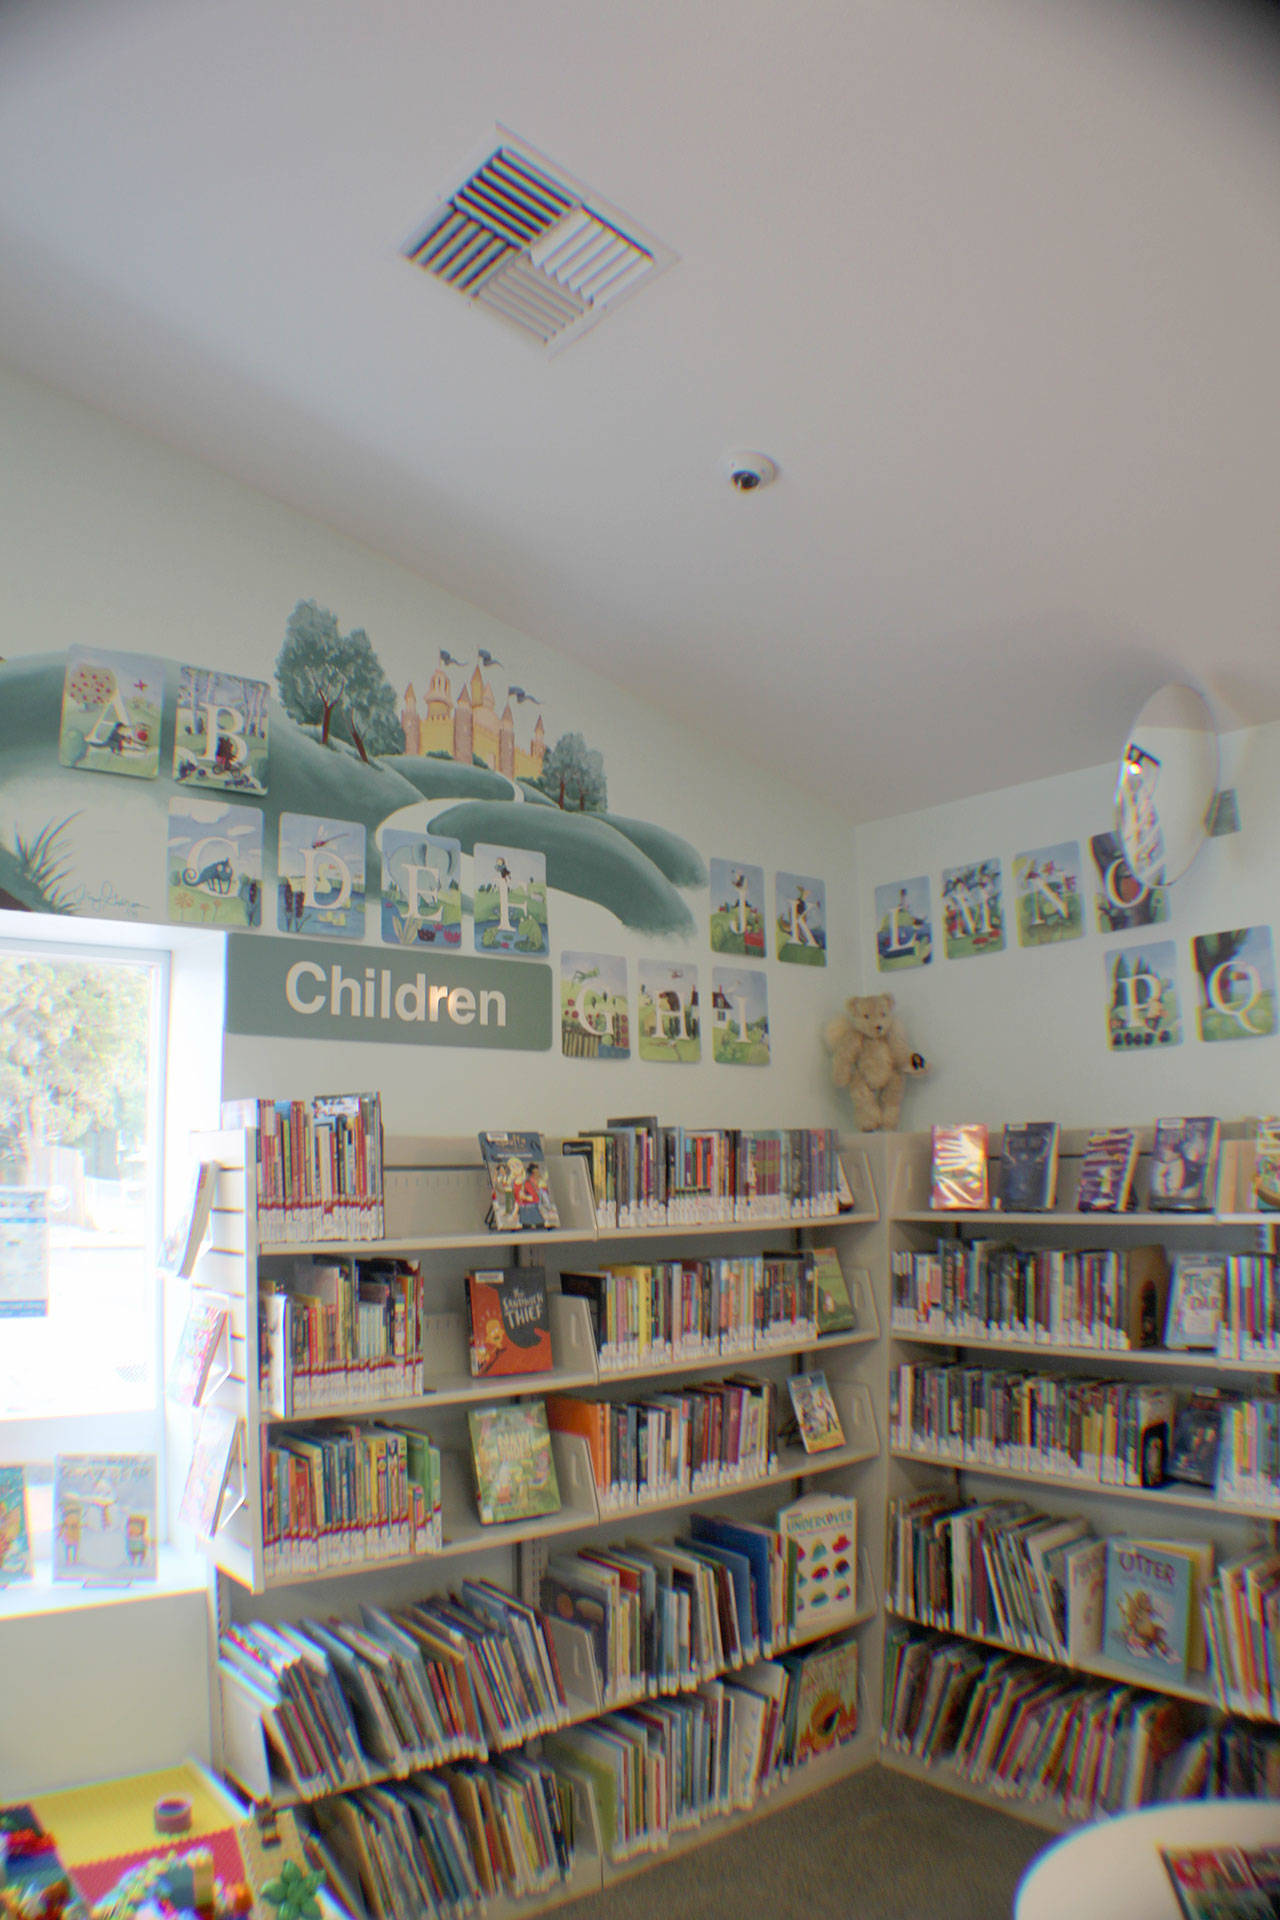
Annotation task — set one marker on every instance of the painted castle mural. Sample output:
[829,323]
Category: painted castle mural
[470,729]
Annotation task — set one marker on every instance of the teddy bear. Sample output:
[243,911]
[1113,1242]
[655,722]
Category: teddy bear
[870,1055]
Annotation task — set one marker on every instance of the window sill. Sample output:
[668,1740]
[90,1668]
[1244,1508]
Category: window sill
[179,1570]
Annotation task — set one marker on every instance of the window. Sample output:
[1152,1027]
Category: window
[81,1078]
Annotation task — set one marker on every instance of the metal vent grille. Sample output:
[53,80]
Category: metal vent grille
[524,241]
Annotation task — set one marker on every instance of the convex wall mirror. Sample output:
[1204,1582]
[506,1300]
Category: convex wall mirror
[1166,785]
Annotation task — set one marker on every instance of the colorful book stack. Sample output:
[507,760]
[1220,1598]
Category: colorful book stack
[688,1441]
[1033,1582]
[1030,1734]
[446,1841]
[655,1312]
[341,1495]
[1242,1624]
[1094,1431]
[346,1702]
[319,1166]
[646,1175]
[1110,1299]
[336,1333]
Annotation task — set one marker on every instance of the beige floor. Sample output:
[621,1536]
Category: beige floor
[876,1847]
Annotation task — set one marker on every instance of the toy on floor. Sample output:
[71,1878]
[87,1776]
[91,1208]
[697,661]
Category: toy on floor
[872,1057]
[175,1886]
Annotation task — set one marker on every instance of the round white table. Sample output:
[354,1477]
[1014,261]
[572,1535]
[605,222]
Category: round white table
[1113,1870]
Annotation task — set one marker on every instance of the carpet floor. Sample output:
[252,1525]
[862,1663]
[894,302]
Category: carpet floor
[874,1847]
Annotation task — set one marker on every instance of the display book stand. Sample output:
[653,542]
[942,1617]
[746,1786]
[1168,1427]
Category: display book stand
[436,1194]
[1169,1512]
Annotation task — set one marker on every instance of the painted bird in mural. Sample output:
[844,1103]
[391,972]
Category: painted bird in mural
[487,659]
[518,693]
[448,660]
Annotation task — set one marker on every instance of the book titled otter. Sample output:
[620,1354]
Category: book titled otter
[508,1324]
[1147,1609]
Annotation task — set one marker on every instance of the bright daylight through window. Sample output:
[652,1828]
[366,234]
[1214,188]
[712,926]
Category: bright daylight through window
[80,1055]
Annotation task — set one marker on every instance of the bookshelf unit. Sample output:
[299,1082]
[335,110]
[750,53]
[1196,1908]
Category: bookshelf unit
[1172,1512]
[436,1194]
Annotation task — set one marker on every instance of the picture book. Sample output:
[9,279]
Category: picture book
[1235,984]
[1199,1556]
[212,1460]
[1148,1609]
[508,1326]
[15,1530]
[800,903]
[1266,1164]
[514,1466]
[112,707]
[197,1349]
[182,1244]
[1084,1575]
[104,1517]
[220,738]
[509,900]
[1224,1882]
[320,866]
[958,1174]
[831,1292]
[1197,1294]
[421,889]
[904,925]
[214,862]
[737,908]
[1028,1167]
[1184,1165]
[973,909]
[826,1697]
[1106,1171]
[822,1530]
[1197,1437]
[815,1412]
[520,1194]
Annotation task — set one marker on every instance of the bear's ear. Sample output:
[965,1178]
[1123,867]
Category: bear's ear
[886,1001]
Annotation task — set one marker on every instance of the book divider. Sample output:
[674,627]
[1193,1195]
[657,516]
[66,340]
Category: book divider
[1172,1512]
[435,1198]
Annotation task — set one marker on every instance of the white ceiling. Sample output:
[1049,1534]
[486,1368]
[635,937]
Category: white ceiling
[997,282]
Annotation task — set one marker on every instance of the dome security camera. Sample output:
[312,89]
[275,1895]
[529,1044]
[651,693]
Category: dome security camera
[748,471]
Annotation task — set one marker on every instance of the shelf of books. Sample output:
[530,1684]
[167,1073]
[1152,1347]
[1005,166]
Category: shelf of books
[535,1553]
[1082,1582]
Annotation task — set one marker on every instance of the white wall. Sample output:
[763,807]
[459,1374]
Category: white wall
[1022,1034]
[110,539]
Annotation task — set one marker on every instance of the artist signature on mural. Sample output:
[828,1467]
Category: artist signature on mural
[106,901]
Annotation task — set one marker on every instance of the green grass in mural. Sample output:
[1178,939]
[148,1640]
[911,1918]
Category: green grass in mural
[797,955]
[730,1051]
[585,856]
[725,937]
[1227,1026]
[526,911]
[1040,928]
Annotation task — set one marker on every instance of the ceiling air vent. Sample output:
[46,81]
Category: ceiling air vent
[523,239]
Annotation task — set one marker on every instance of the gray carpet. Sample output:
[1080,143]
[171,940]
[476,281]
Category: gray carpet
[875,1847]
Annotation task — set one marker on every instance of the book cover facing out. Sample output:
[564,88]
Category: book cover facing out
[823,1529]
[514,1466]
[521,1196]
[959,1167]
[1028,1167]
[509,1328]
[1148,1609]
[1184,1165]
